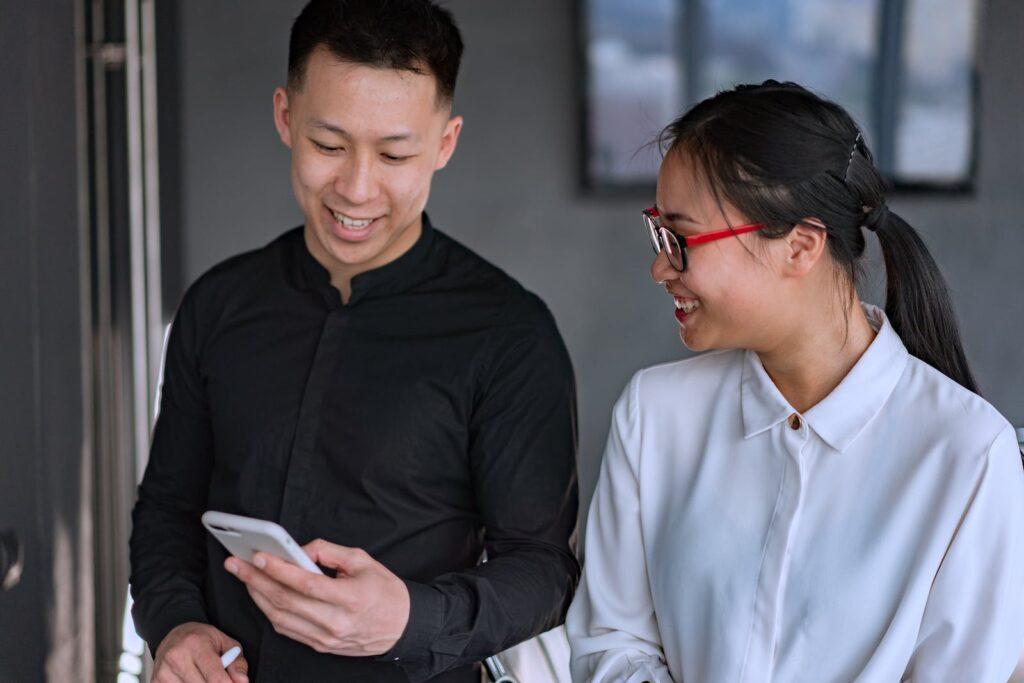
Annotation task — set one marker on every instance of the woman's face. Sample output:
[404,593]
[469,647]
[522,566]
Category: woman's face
[730,295]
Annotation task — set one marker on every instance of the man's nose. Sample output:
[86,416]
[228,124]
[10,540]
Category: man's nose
[357,182]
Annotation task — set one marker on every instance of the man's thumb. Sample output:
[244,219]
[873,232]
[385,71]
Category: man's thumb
[239,670]
[345,560]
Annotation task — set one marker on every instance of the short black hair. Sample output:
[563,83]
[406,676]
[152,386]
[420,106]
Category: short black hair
[410,35]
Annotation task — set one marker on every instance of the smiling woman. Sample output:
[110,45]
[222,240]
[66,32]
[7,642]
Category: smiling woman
[829,468]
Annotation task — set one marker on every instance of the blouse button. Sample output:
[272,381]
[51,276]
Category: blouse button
[794,421]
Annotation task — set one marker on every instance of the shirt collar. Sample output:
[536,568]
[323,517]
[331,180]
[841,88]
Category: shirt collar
[411,268]
[841,416]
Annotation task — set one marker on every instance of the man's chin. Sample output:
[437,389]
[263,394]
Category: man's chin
[355,255]
[380,245]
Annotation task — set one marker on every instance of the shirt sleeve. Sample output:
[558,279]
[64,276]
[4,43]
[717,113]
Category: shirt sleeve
[973,624]
[167,545]
[612,628]
[522,455]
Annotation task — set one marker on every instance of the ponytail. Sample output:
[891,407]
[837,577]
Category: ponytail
[917,300]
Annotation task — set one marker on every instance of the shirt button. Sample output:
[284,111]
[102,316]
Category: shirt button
[794,421]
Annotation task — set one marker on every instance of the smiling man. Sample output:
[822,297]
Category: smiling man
[395,402]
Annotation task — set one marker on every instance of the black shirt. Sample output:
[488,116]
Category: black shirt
[430,418]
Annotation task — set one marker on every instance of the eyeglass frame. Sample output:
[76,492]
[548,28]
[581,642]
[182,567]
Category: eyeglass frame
[663,238]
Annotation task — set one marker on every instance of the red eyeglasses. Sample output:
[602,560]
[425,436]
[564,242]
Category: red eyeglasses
[675,246]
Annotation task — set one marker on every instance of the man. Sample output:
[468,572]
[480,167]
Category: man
[395,402]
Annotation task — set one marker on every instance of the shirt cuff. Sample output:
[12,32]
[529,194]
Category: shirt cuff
[426,616]
[161,621]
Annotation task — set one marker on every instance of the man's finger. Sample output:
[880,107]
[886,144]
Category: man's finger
[179,662]
[311,632]
[166,675]
[281,596]
[190,673]
[224,642]
[315,586]
[346,560]
[239,670]
[208,663]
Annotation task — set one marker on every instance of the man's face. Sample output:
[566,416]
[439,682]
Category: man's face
[365,143]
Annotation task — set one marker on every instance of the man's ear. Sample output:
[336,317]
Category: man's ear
[805,247]
[282,116]
[449,139]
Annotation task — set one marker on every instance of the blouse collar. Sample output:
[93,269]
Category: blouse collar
[842,415]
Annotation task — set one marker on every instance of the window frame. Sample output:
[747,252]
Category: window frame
[884,105]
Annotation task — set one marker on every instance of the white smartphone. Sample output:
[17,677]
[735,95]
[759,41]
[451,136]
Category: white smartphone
[244,536]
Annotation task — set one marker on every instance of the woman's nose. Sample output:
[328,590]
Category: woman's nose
[661,270]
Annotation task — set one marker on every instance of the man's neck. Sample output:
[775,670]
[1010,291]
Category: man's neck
[342,274]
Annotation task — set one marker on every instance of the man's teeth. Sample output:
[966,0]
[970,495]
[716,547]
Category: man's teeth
[687,305]
[351,223]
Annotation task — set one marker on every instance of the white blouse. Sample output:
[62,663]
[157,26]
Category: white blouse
[877,537]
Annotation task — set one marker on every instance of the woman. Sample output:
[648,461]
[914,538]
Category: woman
[824,497]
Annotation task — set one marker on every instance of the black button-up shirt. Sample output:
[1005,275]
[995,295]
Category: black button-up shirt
[428,419]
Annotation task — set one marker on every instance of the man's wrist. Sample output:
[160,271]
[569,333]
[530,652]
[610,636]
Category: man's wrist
[156,628]
[426,615]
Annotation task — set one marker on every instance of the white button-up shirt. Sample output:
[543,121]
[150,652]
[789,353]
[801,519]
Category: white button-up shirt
[877,537]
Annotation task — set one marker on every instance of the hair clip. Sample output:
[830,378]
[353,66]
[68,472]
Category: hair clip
[849,162]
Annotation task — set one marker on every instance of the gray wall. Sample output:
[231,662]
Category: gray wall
[511,191]
[45,621]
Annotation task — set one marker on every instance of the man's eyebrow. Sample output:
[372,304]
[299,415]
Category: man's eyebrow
[338,130]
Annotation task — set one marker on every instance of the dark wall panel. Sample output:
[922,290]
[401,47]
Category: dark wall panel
[46,621]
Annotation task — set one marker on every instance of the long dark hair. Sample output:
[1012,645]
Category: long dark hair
[781,154]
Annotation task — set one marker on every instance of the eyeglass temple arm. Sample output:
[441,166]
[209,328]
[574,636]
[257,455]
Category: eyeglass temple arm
[712,236]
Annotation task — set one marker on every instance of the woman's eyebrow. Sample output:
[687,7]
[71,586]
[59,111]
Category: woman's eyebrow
[676,216]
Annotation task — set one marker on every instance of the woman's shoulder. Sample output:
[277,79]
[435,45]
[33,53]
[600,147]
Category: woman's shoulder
[928,396]
[708,369]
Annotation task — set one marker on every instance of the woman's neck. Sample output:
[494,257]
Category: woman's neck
[812,362]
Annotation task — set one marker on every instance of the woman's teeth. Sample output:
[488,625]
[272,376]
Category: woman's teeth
[687,305]
[352,223]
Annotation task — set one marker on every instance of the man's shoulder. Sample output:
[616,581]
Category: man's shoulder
[467,270]
[251,269]
[515,318]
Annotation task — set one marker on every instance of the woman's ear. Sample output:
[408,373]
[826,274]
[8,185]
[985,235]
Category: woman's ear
[805,246]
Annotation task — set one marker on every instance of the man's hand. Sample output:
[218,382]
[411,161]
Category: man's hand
[362,612]
[191,654]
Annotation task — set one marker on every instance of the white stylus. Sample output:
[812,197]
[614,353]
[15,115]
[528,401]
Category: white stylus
[230,656]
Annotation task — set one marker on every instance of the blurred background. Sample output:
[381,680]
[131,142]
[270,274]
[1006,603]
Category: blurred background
[137,149]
